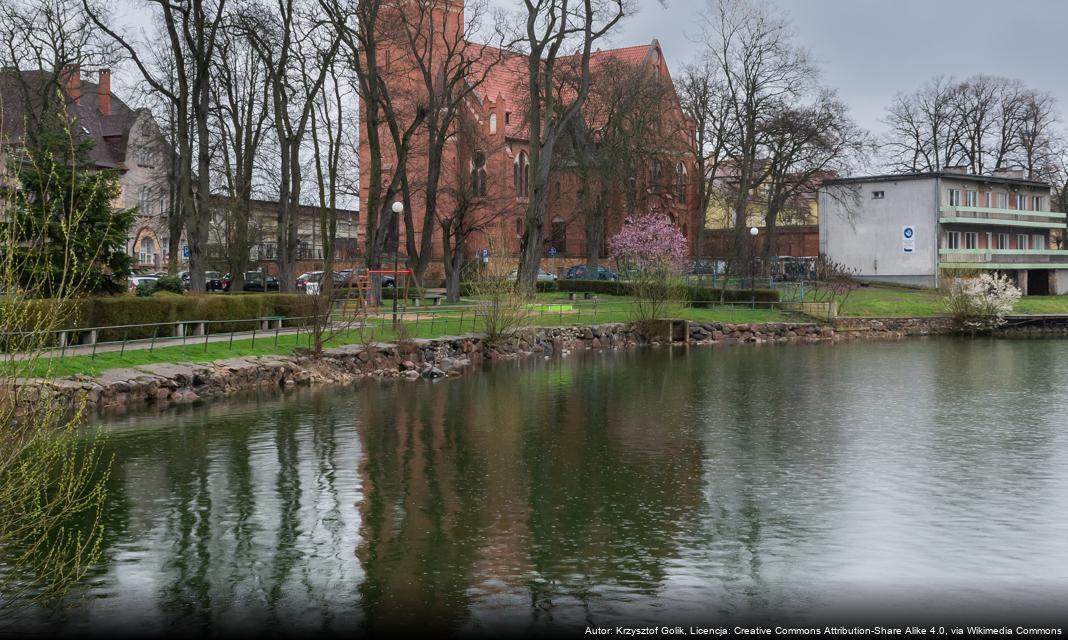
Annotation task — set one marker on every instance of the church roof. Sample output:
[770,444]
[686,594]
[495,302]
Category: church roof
[506,75]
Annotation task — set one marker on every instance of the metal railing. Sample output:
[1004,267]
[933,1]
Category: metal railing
[417,321]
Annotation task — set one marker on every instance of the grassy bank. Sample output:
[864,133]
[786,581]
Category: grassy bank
[901,302]
[550,309]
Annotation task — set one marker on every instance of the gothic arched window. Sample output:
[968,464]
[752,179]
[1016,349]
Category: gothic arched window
[520,174]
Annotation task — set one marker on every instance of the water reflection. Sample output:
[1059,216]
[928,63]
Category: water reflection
[659,487]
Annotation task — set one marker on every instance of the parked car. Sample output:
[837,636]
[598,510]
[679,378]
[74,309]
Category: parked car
[543,276]
[311,283]
[133,281]
[582,272]
[304,278]
[254,281]
[213,280]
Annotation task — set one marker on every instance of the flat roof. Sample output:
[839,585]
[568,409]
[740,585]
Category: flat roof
[927,175]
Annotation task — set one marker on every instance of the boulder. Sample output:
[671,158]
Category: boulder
[433,373]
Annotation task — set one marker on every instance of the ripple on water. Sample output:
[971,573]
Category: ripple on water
[639,487]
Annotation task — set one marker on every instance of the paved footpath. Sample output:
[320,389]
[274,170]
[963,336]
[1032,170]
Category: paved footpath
[159,343]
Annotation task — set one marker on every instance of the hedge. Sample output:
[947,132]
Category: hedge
[166,308]
[691,293]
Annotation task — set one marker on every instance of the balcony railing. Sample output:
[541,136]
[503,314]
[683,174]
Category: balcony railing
[1003,217]
[1004,258]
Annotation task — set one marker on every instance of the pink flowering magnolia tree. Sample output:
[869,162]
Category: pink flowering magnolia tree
[656,249]
[649,240]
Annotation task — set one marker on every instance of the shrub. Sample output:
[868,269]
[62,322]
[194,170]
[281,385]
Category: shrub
[981,304]
[690,293]
[170,283]
[654,250]
[502,308]
[146,289]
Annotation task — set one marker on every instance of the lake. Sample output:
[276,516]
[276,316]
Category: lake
[919,481]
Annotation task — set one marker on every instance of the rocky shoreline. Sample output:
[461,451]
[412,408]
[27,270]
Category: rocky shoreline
[119,390]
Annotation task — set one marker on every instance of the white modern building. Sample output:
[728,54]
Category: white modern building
[914,228]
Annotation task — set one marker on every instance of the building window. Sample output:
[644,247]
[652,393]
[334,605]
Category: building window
[971,198]
[520,173]
[144,200]
[971,240]
[493,124]
[1003,201]
[954,197]
[1003,241]
[507,117]
[1021,202]
[519,226]
[1038,242]
[1038,204]
[478,174]
[878,195]
[1021,242]
[953,239]
[147,255]
[558,237]
[680,182]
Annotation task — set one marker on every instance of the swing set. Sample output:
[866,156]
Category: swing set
[365,291]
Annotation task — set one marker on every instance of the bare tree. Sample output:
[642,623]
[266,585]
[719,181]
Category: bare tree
[984,123]
[241,110]
[923,135]
[762,71]
[806,144]
[447,71]
[621,144]
[330,138]
[552,30]
[295,41]
[1037,137]
[704,98]
[469,209]
[192,30]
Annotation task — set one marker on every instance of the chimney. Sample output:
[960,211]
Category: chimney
[72,82]
[1016,174]
[103,98]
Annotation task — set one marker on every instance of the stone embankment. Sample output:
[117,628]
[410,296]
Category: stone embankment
[162,384]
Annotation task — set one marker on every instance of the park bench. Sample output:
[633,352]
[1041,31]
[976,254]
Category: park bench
[418,298]
[585,296]
[185,328]
[267,323]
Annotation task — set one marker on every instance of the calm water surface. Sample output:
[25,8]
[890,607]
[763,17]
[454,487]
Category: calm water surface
[659,486]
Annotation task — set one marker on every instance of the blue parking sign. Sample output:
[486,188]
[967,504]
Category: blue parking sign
[552,252]
[908,239]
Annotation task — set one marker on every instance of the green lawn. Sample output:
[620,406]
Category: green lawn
[900,302]
[892,302]
[1042,305]
[422,323]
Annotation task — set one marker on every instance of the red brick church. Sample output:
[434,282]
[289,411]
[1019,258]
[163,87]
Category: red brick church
[496,162]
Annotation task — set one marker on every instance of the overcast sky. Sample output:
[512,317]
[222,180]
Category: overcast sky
[870,49]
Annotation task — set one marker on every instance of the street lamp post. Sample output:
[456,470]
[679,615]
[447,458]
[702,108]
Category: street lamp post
[753,231]
[398,208]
